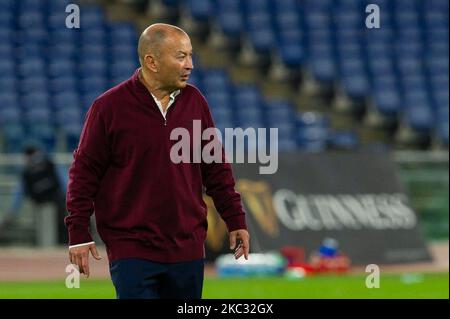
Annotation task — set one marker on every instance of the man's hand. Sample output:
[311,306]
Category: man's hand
[80,256]
[242,237]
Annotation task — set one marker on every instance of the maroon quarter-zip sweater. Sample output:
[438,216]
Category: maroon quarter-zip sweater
[145,205]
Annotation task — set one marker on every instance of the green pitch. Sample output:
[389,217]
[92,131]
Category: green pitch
[391,286]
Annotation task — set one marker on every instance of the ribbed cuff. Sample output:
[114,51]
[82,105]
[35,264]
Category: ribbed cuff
[79,235]
[236,222]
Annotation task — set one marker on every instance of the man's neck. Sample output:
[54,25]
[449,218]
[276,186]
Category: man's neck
[153,86]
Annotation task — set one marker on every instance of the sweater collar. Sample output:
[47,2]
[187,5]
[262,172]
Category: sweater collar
[142,89]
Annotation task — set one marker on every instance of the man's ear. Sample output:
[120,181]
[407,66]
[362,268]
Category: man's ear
[150,62]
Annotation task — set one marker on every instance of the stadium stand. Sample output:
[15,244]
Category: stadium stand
[348,87]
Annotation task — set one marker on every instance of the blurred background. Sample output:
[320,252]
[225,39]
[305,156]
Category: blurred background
[333,87]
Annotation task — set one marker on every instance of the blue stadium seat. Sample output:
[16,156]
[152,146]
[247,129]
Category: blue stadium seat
[260,31]
[7,68]
[7,84]
[61,51]
[122,33]
[387,101]
[58,5]
[343,140]
[32,66]
[215,80]
[231,22]
[93,37]
[419,118]
[249,116]
[200,9]
[93,84]
[37,35]
[322,67]
[36,100]
[10,115]
[222,114]
[441,98]
[6,19]
[65,82]
[60,67]
[68,99]
[45,134]
[9,99]
[309,119]
[313,139]
[250,6]
[247,96]
[71,133]
[34,84]
[196,80]
[292,53]
[277,110]
[219,99]
[57,21]
[442,133]
[6,51]
[89,52]
[312,131]
[38,115]
[381,66]
[286,145]
[6,35]
[64,36]
[286,6]
[123,53]
[68,116]
[94,67]
[385,93]
[356,86]
[122,70]
[14,135]
[30,19]
[92,17]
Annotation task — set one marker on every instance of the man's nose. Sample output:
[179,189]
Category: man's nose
[189,63]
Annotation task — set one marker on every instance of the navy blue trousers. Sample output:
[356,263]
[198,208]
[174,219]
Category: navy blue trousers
[142,279]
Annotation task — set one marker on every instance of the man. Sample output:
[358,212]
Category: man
[149,210]
[41,183]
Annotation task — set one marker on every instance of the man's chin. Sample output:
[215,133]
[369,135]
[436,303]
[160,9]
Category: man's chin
[182,84]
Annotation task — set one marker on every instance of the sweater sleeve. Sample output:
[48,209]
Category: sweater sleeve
[88,167]
[220,184]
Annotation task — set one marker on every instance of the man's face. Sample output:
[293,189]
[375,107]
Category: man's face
[175,61]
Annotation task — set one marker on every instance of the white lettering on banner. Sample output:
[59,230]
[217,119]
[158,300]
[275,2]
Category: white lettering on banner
[356,208]
[293,210]
[335,212]
[333,206]
[325,212]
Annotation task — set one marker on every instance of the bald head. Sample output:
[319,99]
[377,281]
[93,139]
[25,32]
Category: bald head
[153,38]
